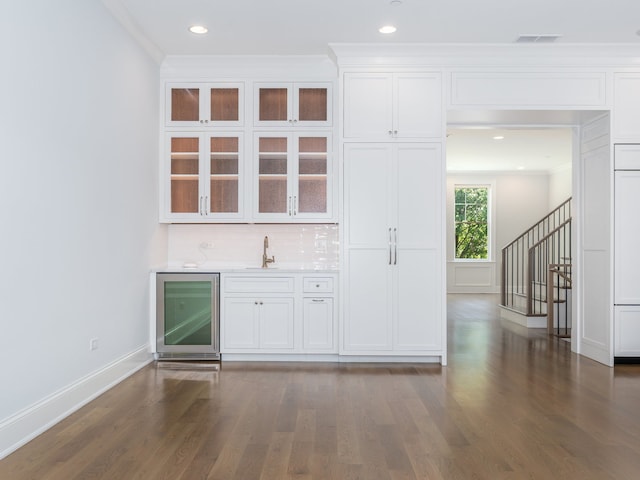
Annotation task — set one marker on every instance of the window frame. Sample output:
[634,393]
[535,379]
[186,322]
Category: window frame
[490,187]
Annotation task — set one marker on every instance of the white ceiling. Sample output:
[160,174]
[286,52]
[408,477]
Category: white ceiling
[534,140]
[306,27]
[523,150]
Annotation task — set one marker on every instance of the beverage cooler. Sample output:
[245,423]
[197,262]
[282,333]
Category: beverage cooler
[187,316]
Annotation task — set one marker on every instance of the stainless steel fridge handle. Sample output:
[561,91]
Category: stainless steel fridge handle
[389,245]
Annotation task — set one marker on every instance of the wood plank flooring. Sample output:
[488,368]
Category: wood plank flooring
[512,404]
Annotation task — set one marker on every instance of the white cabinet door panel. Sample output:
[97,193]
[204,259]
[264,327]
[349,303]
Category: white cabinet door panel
[276,323]
[239,327]
[627,331]
[392,106]
[418,324]
[627,232]
[368,325]
[368,174]
[318,329]
[626,107]
[418,101]
[367,105]
[419,190]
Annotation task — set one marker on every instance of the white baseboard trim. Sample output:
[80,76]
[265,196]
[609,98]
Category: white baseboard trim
[279,357]
[522,319]
[24,426]
[392,359]
[332,358]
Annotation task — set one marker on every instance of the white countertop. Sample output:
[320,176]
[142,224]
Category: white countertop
[244,269]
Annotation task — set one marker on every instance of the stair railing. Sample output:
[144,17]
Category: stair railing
[516,278]
[559,300]
[553,249]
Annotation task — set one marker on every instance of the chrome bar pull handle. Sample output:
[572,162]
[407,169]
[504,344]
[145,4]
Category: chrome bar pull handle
[295,204]
[200,205]
[206,205]
[389,245]
[395,246]
[290,202]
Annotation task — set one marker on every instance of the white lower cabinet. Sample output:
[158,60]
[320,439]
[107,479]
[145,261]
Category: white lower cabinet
[258,323]
[317,325]
[240,323]
[269,313]
[276,323]
[627,331]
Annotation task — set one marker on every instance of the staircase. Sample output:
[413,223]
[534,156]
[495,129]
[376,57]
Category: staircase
[535,288]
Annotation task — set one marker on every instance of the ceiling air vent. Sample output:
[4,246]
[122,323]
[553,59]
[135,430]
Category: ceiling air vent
[538,38]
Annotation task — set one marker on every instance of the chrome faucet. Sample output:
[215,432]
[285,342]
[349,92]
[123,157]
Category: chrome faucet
[266,260]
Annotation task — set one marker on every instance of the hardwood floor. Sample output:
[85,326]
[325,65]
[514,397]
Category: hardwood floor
[512,404]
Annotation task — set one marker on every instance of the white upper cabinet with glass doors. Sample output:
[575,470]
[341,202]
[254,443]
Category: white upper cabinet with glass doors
[204,105]
[203,177]
[292,104]
[392,106]
[292,177]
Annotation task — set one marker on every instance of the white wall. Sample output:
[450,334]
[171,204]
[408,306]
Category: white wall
[560,185]
[78,200]
[519,201]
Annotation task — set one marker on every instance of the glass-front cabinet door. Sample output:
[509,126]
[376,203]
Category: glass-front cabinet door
[294,174]
[184,175]
[274,198]
[289,105]
[224,186]
[204,177]
[204,105]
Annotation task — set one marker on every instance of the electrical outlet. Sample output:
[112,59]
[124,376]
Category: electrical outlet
[93,344]
[207,245]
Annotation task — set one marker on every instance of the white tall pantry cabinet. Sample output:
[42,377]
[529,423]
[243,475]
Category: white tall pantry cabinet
[393,178]
[626,251]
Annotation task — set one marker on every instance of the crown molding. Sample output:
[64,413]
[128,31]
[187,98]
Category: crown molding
[485,55]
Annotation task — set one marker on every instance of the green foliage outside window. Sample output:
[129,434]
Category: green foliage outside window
[471,219]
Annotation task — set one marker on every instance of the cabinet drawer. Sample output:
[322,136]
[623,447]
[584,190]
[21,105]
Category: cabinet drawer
[318,284]
[259,284]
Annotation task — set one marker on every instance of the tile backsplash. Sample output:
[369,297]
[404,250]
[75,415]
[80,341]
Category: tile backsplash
[229,245]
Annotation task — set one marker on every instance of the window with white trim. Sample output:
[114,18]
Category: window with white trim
[472,222]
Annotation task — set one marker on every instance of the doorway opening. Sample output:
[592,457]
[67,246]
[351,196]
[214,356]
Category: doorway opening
[529,160]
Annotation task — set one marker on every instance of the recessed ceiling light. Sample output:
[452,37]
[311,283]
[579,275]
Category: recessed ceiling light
[520,167]
[387,29]
[198,29]
[499,137]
